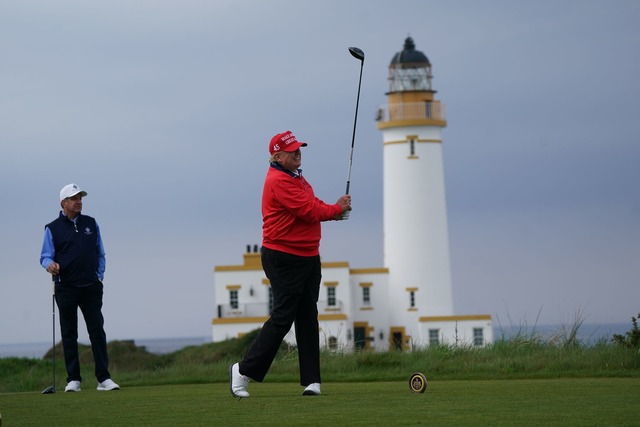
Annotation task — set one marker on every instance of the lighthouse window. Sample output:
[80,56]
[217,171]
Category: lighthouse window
[412,299]
[412,147]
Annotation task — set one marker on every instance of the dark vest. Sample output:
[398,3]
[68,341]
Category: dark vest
[76,250]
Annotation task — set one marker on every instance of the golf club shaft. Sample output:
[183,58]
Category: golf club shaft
[355,122]
[53,311]
[52,389]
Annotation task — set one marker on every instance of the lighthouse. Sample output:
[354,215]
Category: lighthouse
[416,238]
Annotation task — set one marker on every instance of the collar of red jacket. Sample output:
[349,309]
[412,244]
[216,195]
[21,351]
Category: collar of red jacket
[279,167]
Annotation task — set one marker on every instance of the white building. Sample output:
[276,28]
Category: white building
[408,303]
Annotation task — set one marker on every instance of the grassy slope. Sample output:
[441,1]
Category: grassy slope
[208,363]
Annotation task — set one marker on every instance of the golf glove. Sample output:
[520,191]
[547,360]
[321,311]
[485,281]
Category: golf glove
[345,215]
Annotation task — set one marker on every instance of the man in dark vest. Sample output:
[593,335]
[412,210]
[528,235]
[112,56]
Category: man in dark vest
[73,254]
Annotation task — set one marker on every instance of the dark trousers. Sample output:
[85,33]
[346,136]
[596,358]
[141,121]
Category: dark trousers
[89,300]
[295,282]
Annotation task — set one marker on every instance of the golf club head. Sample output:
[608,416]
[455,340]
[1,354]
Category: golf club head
[357,53]
[49,390]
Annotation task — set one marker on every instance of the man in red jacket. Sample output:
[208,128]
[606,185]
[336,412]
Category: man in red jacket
[291,261]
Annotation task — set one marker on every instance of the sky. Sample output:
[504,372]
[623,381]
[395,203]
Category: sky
[162,111]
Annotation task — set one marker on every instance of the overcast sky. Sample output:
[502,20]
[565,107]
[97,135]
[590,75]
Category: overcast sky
[162,111]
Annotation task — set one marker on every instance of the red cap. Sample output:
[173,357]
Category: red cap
[285,141]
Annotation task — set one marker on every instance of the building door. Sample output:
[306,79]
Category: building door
[396,341]
[359,337]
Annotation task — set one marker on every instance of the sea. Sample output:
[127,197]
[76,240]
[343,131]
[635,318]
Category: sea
[37,350]
[588,334]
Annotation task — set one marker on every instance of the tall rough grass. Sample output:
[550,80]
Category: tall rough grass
[632,338]
[517,356]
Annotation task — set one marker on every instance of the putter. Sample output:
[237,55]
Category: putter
[52,389]
[358,54]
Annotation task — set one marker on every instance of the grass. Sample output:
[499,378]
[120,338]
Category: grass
[209,363]
[523,380]
[573,401]
[517,358]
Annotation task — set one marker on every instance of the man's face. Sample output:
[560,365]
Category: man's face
[290,160]
[72,206]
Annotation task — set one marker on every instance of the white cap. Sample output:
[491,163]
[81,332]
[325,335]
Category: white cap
[70,191]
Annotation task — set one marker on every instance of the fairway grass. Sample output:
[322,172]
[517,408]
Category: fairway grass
[580,402]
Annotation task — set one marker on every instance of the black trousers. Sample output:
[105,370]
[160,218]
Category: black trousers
[89,300]
[295,282]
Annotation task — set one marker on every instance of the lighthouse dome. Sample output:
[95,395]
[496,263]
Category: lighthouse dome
[409,55]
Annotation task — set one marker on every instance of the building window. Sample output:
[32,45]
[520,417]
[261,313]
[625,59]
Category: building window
[478,336]
[331,296]
[233,299]
[412,147]
[434,336]
[366,296]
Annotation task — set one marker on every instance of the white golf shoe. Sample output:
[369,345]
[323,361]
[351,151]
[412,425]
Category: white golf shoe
[107,385]
[72,386]
[312,389]
[238,382]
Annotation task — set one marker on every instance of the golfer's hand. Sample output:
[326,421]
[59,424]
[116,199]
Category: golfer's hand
[344,202]
[54,268]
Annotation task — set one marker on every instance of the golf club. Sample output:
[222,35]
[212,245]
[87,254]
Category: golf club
[52,389]
[358,54]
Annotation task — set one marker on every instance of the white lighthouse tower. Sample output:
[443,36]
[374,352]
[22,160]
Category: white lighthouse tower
[416,240]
